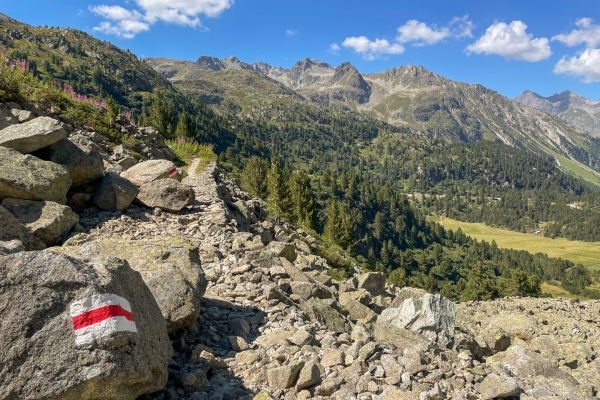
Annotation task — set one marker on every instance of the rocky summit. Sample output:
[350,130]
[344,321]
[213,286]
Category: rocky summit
[163,285]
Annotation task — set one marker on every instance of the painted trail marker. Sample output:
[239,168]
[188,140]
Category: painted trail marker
[100,315]
[172,171]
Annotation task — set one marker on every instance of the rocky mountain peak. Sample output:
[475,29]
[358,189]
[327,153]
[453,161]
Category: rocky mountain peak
[211,62]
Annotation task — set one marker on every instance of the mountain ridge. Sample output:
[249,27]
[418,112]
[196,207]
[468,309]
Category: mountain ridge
[568,106]
[416,98]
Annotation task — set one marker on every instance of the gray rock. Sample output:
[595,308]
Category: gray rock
[372,282]
[114,193]
[13,231]
[284,377]
[285,250]
[321,311]
[150,171]
[47,220]
[6,117]
[496,386]
[169,266]
[80,155]
[39,354]
[33,135]
[29,178]
[309,375]
[430,315]
[167,194]
[22,115]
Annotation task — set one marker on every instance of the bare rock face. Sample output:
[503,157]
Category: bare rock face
[167,194]
[47,220]
[29,178]
[169,266]
[52,348]
[32,135]
[430,315]
[6,117]
[150,171]
[15,237]
[114,193]
[81,156]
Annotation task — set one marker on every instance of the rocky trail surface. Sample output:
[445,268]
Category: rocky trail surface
[221,302]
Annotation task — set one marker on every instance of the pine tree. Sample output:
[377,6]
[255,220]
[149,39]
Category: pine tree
[254,177]
[304,209]
[161,117]
[279,194]
[186,127]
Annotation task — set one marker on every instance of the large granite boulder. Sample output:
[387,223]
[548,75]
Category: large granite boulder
[32,135]
[114,193]
[430,315]
[47,220]
[372,282]
[80,155]
[150,171]
[27,177]
[78,330]
[13,231]
[169,266]
[167,194]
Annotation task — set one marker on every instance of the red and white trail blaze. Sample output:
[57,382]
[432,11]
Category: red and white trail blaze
[172,171]
[100,315]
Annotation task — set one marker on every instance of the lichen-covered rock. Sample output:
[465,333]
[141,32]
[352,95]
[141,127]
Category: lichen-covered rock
[80,155]
[42,356]
[169,266]
[356,303]
[13,231]
[27,177]
[32,135]
[430,315]
[47,220]
[167,194]
[150,171]
[498,387]
[114,193]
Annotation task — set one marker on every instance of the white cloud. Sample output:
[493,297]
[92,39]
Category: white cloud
[370,50]
[334,48]
[511,41]
[126,28]
[588,34]
[180,12]
[420,34]
[290,32]
[587,66]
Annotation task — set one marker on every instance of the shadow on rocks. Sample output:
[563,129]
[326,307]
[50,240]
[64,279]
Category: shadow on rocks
[204,352]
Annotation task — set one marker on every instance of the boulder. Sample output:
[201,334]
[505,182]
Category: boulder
[169,266]
[114,193]
[47,220]
[6,117]
[150,171]
[29,178]
[280,249]
[498,387]
[318,310]
[151,144]
[12,231]
[284,377]
[47,352]
[356,303]
[372,282]
[80,155]
[32,135]
[523,362]
[430,315]
[167,194]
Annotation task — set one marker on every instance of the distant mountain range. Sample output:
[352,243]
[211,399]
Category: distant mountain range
[408,96]
[570,107]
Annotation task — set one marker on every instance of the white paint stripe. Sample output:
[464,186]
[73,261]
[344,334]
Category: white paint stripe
[91,333]
[96,301]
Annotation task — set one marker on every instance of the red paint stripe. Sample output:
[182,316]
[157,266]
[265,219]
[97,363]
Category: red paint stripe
[172,171]
[100,314]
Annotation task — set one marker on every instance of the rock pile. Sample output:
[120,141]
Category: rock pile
[250,309]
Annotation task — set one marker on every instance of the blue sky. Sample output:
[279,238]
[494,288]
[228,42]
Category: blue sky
[509,46]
